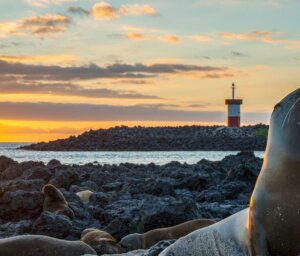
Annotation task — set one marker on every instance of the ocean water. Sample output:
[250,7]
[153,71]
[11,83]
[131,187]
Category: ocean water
[157,157]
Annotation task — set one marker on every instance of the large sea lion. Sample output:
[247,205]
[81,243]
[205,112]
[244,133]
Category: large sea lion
[271,225]
[274,218]
[37,245]
[55,201]
[143,241]
[101,241]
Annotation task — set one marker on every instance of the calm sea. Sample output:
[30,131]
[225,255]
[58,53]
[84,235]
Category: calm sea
[157,157]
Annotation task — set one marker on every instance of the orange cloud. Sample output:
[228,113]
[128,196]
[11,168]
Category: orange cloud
[29,59]
[103,11]
[8,28]
[201,38]
[38,25]
[135,36]
[164,61]
[138,33]
[172,39]
[137,10]
[133,28]
[45,3]
[263,36]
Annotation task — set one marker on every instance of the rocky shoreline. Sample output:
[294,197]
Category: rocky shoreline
[127,198]
[185,138]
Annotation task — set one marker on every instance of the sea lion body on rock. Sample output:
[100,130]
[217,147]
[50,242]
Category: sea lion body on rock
[271,225]
[101,241]
[55,202]
[228,237]
[37,245]
[146,240]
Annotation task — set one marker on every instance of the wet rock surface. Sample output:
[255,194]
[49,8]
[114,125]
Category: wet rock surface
[184,138]
[127,198]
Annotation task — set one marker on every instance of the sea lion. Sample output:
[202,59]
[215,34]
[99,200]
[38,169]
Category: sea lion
[274,219]
[84,195]
[270,226]
[37,245]
[228,237]
[101,241]
[55,201]
[144,241]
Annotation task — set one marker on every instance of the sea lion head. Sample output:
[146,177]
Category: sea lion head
[284,132]
[101,241]
[49,190]
[132,241]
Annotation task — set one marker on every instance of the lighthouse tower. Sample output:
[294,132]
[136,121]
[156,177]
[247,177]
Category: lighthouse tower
[234,110]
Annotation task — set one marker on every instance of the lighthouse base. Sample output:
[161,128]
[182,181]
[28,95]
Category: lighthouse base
[233,121]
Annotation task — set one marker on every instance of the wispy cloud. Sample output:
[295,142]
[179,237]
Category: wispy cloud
[254,36]
[238,54]
[197,105]
[149,34]
[105,11]
[137,10]
[35,59]
[201,38]
[8,28]
[230,3]
[172,39]
[46,3]
[262,36]
[133,81]
[43,25]
[135,36]
[89,112]
[92,112]
[12,85]
[92,71]
[78,10]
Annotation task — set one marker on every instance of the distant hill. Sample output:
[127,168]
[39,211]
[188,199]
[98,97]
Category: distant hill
[183,138]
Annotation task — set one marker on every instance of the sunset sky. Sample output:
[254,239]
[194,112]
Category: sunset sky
[67,66]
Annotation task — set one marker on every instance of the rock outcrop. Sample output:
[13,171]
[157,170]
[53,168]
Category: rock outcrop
[182,138]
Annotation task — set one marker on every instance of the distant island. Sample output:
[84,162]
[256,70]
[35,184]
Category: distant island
[182,138]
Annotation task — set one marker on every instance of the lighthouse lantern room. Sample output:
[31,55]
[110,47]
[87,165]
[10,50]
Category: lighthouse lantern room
[234,110]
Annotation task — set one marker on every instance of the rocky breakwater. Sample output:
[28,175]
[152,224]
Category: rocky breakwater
[126,198]
[183,138]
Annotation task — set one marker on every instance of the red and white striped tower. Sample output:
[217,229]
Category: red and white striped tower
[234,110]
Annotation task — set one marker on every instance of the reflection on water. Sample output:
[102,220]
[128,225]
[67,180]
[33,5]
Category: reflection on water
[157,157]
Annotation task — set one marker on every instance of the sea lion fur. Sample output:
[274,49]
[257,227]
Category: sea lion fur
[38,245]
[55,202]
[150,238]
[101,241]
